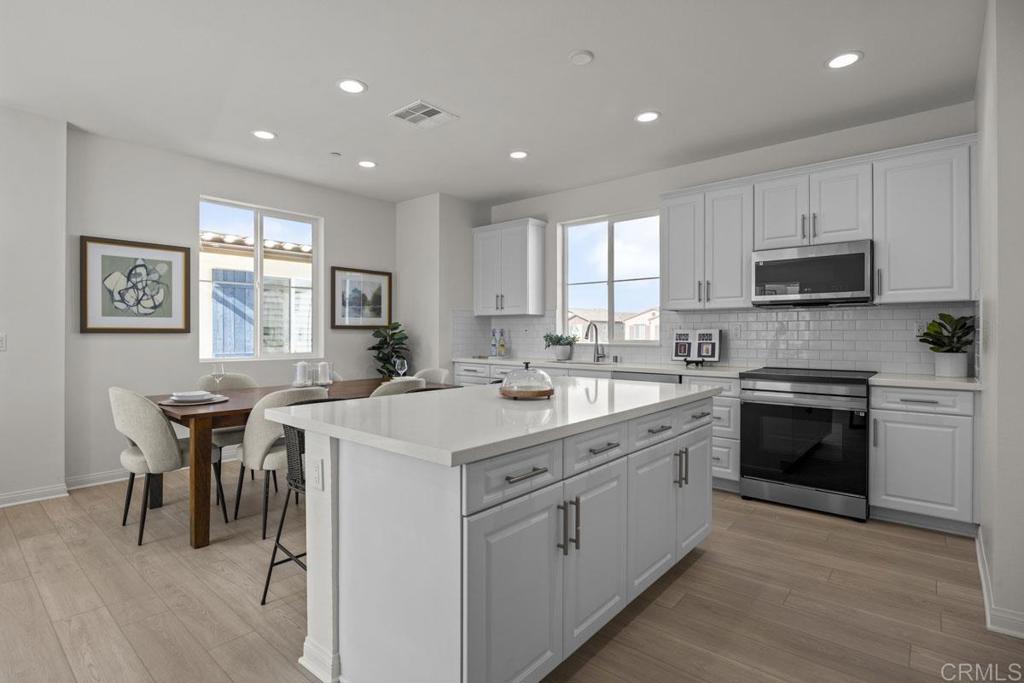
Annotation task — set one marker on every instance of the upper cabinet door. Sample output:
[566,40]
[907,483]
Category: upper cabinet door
[682,253]
[486,271]
[840,201]
[727,238]
[780,213]
[514,289]
[923,227]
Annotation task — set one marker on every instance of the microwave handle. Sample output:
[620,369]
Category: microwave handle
[878,282]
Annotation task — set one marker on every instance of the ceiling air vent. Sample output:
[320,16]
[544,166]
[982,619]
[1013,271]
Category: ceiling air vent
[423,115]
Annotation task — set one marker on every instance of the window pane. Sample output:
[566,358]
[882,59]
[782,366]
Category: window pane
[637,313]
[586,248]
[637,244]
[285,232]
[226,276]
[586,304]
[287,301]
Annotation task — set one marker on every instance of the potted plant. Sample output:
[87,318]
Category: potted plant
[562,343]
[390,346]
[949,338]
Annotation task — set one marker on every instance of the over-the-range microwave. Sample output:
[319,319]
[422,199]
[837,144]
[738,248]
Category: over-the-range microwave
[815,274]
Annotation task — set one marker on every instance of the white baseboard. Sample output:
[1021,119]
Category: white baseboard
[30,495]
[1009,622]
[946,526]
[81,481]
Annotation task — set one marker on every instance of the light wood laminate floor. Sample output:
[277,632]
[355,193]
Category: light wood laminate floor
[775,594]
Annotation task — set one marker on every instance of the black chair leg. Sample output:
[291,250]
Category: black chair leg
[252,475]
[220,492]
[274,474]
[216,472]
[145,506]
[266,500]
[128,498]
[238,492]
[277,542]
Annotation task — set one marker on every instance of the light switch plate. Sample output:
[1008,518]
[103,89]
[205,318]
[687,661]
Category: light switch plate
[3,341]
[318,475]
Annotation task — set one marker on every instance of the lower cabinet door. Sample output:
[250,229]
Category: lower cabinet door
[513,591]
[693,490]
[725,458]
[596,581]
[651,513]
[922,463]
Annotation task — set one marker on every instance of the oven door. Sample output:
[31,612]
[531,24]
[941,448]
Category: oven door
[815,274]
[819,442]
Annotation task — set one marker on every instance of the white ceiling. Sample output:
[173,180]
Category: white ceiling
[198,75]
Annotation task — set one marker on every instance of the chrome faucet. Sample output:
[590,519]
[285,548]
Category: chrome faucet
[599,354]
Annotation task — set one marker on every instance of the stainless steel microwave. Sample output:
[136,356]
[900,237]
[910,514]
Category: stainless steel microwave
[815,274]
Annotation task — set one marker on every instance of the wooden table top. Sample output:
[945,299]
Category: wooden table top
[241,401]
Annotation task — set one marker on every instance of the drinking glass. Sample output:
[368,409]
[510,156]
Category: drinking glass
[218,373]
[401,366]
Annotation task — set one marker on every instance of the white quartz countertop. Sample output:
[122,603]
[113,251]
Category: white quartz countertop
[886,379]
[677,368]
[458,426]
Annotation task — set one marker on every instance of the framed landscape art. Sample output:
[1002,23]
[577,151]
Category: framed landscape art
[360,299]
[133,286]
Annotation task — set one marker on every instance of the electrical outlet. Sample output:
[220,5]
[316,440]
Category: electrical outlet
[3,341]
[920,329]
[737,331]
[318,475]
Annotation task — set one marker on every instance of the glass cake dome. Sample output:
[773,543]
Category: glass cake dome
[528,383]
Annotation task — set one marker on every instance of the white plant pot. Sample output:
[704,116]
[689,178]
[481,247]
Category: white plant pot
[563,352]
[951,364]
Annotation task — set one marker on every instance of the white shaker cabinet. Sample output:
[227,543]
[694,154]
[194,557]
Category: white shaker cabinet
[830,205]
[682,253]
[508,268]
[922,205]
[652,514]
[514,577]
[693,490]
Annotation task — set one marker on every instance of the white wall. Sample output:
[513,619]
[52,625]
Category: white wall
[417,263]
[123,190]
[641,192]
[32,206]
[1000,103]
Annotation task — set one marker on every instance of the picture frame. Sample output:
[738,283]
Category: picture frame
[360,299]
[134,287]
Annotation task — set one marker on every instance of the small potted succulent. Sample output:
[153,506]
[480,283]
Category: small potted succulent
[561,343]
[949,338]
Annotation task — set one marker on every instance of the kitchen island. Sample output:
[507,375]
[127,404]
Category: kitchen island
[458,536]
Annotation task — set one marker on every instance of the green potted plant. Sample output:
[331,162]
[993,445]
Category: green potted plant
[949,338]
[561,343]
[390,346]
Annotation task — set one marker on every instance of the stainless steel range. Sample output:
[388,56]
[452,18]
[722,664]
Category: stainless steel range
[804,438]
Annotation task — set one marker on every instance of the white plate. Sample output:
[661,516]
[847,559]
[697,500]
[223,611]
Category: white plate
[191,395]
[197,399]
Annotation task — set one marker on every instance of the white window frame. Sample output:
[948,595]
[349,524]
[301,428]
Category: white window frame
[563,273]
[259,212]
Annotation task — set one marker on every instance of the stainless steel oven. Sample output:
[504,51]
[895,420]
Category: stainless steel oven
[815,274]
[804,438]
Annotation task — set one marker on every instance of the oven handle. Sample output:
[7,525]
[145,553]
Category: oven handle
[780,398]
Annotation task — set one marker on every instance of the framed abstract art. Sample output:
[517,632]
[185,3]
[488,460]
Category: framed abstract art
[360,299]
[133,286]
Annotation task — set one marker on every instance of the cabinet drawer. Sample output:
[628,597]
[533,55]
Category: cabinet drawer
[489,482]
[725,458]
[727,417]
[473,369]
[499,371]
[923,400]
[651,429]
[590,449]
[730,387]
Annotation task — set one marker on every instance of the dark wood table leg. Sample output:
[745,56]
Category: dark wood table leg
[156,491]
[200,434]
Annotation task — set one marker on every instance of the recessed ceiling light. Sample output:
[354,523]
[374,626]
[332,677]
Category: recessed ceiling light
[581,57]
[845,59]
[518,154]
[366,163]
[647,117]
[264,134]
[352,86]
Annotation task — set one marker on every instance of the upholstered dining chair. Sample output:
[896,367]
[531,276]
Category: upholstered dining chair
[263,445]
[433,375]
[153,447]
[225,436]
[399,385]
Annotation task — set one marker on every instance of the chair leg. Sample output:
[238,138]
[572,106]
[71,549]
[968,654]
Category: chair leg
[128,498]
[252,475]
[266,500]
[238,492]
[145,506]
[277,542]
[274,474]
[221,499]
[216,471]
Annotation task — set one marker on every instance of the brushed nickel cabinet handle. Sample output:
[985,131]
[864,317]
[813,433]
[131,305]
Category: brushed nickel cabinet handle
[678,481]
[503,302]
[927,401]
[707,290]
[803,226]
[575,502]
[523,476]
[659,430]
[686,470]
[605,448]
[564,547]
[814,225]
[700,296]
[496,302]
[878,281]
[699,416]
[874,432]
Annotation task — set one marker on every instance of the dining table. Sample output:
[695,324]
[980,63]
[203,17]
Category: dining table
[202,419]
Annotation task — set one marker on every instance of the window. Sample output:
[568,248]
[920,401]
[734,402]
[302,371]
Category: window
[257,270]
[612,278]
